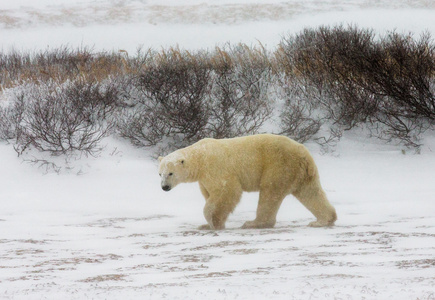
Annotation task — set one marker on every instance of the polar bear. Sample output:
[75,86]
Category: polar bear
[274,165]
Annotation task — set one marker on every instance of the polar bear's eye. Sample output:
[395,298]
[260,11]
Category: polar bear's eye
[170,174]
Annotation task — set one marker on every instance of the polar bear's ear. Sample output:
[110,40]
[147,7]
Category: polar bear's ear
[160,158]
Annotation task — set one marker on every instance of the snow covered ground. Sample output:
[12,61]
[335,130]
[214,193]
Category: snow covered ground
[106,230]
[113,233]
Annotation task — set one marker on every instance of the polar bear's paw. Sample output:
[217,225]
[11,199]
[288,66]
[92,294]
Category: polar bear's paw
[204,227]
[321,224]
[256,224]
[208,227]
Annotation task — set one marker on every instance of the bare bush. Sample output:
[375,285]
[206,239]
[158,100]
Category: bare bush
[407,86]
[299,118]
[182,97]
[240,102]
[360,80]
[324,61]
[94,98]
[172,104]
[59,119]
[410,64]
[335,77]
[11,117]
[390,126]
[329,141]
[142,126]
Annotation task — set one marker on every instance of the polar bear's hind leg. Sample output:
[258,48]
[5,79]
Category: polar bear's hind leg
[314,199]
[268,206]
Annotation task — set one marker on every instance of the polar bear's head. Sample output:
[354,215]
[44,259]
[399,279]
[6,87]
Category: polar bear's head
[172,170]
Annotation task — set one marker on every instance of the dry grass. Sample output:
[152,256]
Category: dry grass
[63,64]
[103,278]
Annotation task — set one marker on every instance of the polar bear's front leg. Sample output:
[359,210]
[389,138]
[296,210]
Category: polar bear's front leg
[218,206]
[214,221]
[207,209]
[216,215]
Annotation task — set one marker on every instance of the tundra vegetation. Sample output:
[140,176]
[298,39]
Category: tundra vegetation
[313,86]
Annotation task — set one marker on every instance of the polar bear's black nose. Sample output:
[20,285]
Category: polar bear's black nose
[166,188]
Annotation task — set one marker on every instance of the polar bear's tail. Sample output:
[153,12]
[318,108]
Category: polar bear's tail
[307,164]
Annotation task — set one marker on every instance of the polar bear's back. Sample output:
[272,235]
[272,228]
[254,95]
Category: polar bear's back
[254,159]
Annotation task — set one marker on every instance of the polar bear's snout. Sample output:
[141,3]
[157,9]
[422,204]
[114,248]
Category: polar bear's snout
[167,182]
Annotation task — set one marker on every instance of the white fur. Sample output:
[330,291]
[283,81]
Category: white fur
[274,165]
